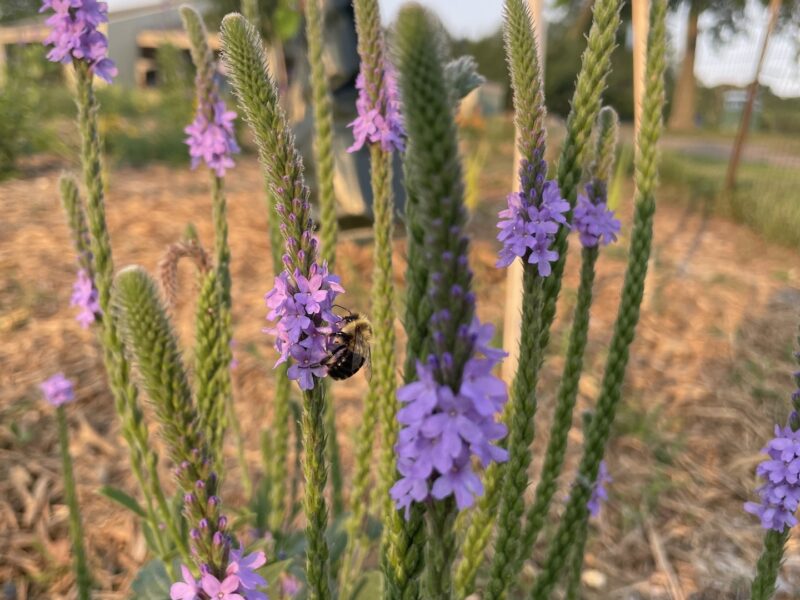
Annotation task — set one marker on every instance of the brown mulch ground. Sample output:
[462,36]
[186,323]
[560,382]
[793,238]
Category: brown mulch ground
[709,374]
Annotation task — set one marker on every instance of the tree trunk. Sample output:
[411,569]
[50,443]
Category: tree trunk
[683,98]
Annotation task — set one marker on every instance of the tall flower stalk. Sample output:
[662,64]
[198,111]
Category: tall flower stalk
[211,140]
[225,572]
[152,341]
[304,292]
[779,496]
[599,174]
[595,66]
[324,163]
[534,214]
[94,249]
[596,437]
[58,392]
[378,113]
[449,408]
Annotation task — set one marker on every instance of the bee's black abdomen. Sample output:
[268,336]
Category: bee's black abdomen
[345,365]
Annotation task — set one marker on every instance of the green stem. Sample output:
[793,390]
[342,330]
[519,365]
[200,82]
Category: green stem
[480,529]
[440,550]
[323,155]
[134,428]
[598,432]
[82,575]
[278,470]
[359,498]
[250,11]
[586,101]
[315,473]
[575,567]
[523,411]
[769,564]
[565,404]
[384,383]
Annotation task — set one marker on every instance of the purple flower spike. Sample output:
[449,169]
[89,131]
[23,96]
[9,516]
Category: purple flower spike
[593,220]
[211,135]
[57,390]
[444,429]
[379,122]
[528,227]
[302,308]
[599,491]
[780,494]
[84,296]
[74,35]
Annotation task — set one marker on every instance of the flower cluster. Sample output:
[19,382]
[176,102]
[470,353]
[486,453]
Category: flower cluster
[241,582]
[57,390]
[780,494]
[303,310]
[593,220]
[211,135]
[74,34]
[443,429]
[379,122]
[84,296]
[529,225]
[599,491]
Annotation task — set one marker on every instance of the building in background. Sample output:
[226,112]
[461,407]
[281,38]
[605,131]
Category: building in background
[134,35]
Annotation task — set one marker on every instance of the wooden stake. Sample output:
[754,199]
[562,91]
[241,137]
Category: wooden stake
[641,24]
[747,112]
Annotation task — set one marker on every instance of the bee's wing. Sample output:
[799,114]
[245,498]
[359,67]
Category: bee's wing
[363,348]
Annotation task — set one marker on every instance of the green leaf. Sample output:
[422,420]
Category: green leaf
[337,538]
[285,21]
[368,587]
[272,572]
[151,581]
[149,537]
[120,497]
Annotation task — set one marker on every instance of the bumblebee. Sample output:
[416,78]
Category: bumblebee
[349,347]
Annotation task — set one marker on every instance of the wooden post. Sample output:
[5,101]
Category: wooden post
[747,112]
[641,24]
[512,320]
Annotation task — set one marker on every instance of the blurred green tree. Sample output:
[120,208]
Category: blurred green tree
[729,19]
[279,19]
[14,10]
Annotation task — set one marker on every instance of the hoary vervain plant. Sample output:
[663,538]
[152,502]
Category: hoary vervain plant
[377,126]
[58,392]
[779,495]
[521,54]
[214,327]
[302,300]
[450,415]
[596,436]
[324,162]
[599,174]
[452,391]
[90,234]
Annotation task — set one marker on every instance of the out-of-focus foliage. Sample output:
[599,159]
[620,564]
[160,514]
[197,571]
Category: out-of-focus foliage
[565,43]
[280,19]
[13,10]
[140,126]
[776,114]
[26,106]
[729,15]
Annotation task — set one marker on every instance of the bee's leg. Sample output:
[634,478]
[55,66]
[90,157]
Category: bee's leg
[332,357]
